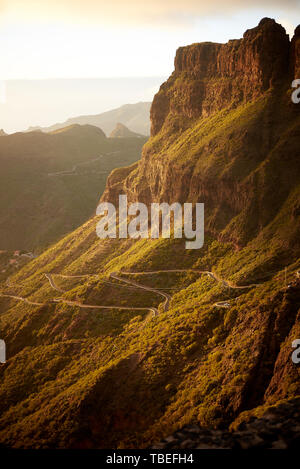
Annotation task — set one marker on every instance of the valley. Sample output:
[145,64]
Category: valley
[50,183]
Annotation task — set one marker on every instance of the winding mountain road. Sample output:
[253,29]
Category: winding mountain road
[144,287]
[21,298]
[133,284]
[206,272]
[130,284]
[82,305]
[49,277]
[73,171]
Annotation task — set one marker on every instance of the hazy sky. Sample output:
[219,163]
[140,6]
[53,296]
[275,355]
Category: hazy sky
[46,102]
[76,39]
[95,38]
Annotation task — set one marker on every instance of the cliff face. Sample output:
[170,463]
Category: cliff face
[215,123]
[209,77]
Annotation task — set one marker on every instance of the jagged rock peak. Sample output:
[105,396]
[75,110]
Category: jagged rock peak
[121,131]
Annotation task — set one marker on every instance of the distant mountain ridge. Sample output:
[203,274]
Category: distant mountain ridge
[121,131]
[50,182]
[74,129]
[134,116]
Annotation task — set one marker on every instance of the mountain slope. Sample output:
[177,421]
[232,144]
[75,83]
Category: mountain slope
[135,116]
[50,183]
[121,131]
[219,350]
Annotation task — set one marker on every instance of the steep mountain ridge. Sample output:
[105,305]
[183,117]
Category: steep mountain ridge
[220,351]
[135,116]
[73,129]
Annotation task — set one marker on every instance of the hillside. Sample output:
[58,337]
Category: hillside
[121,131]
[50,183]
[135,116]
[118,343]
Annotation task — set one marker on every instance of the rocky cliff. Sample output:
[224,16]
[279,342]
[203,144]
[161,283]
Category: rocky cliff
[209,77]
[225,105]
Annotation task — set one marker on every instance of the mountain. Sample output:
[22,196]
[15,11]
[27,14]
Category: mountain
[50,101]
[135,116]
[2,133]
[121,131]
[118,343]
[50,183]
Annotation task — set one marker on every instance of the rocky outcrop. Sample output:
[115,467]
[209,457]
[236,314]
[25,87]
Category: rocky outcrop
[278,428]
[210,76]
[121,131]
[295,54]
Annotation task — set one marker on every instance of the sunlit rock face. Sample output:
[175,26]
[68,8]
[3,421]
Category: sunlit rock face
[210,76]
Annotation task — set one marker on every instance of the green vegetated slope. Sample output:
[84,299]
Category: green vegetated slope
[50,183]
[117,378]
